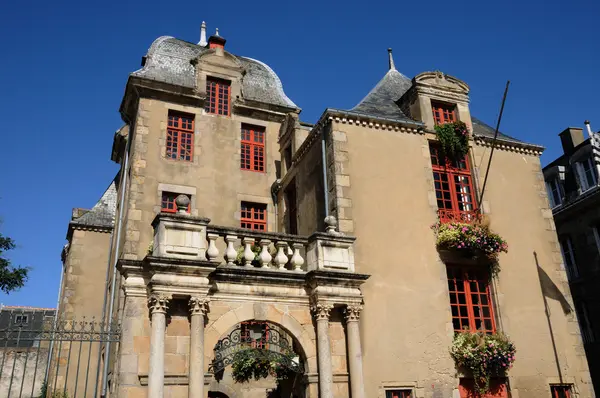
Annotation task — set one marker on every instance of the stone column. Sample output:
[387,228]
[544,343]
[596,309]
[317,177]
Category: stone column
[357,385]
[156,373]
[196,368]
[321,313]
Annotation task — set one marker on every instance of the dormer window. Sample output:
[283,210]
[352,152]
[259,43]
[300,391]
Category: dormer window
[554,192]
[586,174]
[218,96]
[443,113]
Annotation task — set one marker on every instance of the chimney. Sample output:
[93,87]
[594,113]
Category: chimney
[216,41]
[202,41]
[570,138]
[588,128]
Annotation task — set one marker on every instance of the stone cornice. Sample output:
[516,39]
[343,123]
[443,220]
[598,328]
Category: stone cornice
[179,266]
[503,145]
[74,225]
[257,276]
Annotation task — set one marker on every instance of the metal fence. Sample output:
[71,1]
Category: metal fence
[48,358]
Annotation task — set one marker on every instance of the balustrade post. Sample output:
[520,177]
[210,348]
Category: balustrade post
[230,252]
[198,307]
[156,374]
[281,258]
[212,252]
[264,256]
[297,259]
[248,253]
[321,312]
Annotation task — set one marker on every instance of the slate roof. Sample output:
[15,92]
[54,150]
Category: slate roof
[103,212]
[169,60]
[380,102]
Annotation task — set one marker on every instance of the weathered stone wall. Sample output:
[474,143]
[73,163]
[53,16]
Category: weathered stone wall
[519,211]
[214,179]
[389,197]
[22,372]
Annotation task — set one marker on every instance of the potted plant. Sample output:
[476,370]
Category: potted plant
[256,363]
[454,139]
[474,240]
[484,356]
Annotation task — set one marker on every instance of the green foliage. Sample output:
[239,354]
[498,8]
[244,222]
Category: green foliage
[258,364]
[454,139]
[485,355]
[239,260]
[472,240]
[11,278]
[55,394]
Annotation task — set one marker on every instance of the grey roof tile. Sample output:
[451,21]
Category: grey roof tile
[103,212]
[169,60]
[381,100]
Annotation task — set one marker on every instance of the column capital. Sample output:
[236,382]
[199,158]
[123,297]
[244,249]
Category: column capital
[352,312]
[158,303]
[321,311]
[198,305]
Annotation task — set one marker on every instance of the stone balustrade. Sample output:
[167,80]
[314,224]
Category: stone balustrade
[183,236]
[237,247]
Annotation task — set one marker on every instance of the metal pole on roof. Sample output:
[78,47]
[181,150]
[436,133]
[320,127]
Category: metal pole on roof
[487,171]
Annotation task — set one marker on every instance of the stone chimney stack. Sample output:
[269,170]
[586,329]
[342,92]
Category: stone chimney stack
[570,138]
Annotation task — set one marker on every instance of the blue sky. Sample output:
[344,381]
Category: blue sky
[65,64]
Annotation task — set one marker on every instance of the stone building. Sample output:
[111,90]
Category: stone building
[572,184]
[239,225]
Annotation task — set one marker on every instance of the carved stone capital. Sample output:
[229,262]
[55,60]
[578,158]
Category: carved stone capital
[352,312]
[321,311]
[158,303]
[198,305]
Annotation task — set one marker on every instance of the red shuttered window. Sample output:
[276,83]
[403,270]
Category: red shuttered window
[218,96]
[180,136]
[453,187]
[443,113]
[254,216]
[470,299]
[255,334]
[398,394]
[168,202]
[253,148]
[498,389]
[561,391]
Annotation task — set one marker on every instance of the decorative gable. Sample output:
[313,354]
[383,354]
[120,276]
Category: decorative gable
[429,88]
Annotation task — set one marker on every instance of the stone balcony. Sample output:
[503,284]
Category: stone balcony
[181,236]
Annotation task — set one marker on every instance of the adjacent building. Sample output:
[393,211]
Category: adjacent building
[232,218]
[572,184]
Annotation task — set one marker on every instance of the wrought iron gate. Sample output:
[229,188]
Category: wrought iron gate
[48,358]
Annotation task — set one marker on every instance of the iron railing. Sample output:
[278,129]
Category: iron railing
[44,357]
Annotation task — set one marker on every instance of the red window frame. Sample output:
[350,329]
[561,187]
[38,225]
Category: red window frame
[254,216]
[245,334]
[252,156]
[561,391]
[180,136]
[167,203]
[470,299]
[453,184]
[218,96]
[498,389]
[443,113]
[398,394]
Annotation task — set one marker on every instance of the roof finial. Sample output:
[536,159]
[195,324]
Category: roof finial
[203,41]
[217,34]
[391,59]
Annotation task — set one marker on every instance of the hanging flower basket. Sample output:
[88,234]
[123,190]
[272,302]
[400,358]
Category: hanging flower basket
[454,139]
[259,364]
[471,240]
[484,355]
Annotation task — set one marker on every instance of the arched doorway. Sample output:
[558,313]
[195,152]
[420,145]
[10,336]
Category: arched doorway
[257,357]
[216,394]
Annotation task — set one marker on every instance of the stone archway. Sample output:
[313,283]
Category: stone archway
[278,361]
